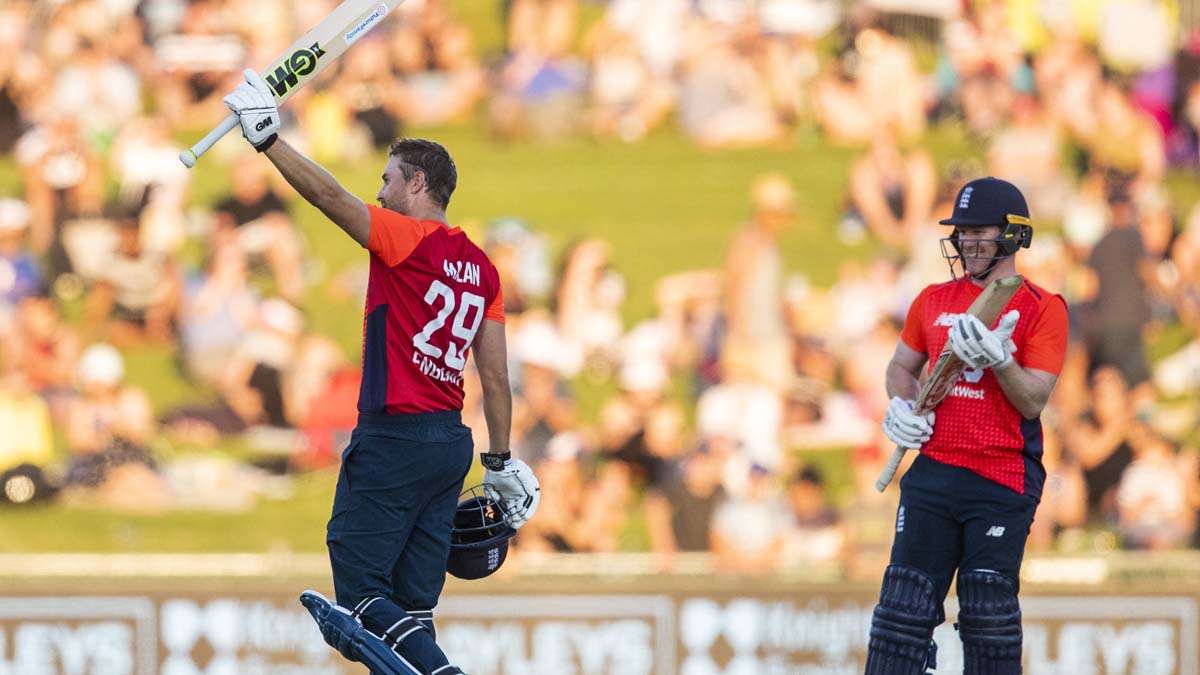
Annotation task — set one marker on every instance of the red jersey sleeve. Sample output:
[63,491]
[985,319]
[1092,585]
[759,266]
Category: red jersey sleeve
[495,310]
[1046,347]
[394,236]
[913,334]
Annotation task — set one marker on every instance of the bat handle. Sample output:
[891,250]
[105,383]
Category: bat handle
[189,157]
[889,471]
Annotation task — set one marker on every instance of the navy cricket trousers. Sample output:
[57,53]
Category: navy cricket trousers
[951,518]
[389,535]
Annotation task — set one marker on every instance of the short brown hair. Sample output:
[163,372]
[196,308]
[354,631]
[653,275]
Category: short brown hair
[441,177]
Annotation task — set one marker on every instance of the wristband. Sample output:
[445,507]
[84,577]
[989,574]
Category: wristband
[494,460]
[265,145]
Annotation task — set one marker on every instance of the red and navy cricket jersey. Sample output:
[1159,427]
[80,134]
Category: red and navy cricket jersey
[977,428]
[429,291]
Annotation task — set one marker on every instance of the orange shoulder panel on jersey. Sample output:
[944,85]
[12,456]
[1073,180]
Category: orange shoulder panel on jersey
[1045,347]
[913,333]
[394,236]
[495,311]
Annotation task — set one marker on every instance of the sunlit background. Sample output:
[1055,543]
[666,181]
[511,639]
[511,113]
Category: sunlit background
[710,217]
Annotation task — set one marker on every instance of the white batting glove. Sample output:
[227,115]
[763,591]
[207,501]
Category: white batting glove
[255,106]
[979,347]
[519,489]
[904,427]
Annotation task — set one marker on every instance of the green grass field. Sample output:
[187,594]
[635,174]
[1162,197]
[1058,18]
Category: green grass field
[664,205]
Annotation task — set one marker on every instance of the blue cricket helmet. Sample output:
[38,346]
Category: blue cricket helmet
[479,539]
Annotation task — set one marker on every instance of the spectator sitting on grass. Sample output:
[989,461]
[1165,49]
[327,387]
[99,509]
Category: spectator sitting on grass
[63,180]
[606,508]
[137,294]
[1100,440]
[564,492]
[628,100]
[816,532]
[325,390]
[679,510]
[723,100]
[25,419]
[109,429]
[1064,498]
[1029,153]
[440,80]
[44,349]
[874,87]
[218,308]
[366,86]
[542,403]
[264,231]
[19,273]
[1152,499]
[748,531]
[252,384]
[588,300]
[893,192]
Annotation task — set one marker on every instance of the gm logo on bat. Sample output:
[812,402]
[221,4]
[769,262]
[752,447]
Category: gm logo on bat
[287,75]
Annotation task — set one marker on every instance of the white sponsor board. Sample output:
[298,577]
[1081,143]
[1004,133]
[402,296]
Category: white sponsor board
[78,636]
[805,632]
[588,634]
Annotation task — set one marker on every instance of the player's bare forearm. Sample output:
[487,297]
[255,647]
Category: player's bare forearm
[903,372]
[491,360]
[900,382]
[497,410]
[321,189]
[1027,389]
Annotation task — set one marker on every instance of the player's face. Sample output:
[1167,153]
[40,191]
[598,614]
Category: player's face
[978,245]
[393,192]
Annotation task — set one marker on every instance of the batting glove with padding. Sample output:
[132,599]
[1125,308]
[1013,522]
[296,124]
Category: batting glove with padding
[519,489]
[904,427]
[979,347]
[255,106]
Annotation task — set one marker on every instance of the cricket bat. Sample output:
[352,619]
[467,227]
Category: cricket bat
[986,308]
[306,58]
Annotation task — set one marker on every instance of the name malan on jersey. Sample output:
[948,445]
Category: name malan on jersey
[462,272]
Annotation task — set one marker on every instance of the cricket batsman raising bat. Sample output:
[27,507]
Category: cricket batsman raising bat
[997,343]
[433,300]
[302,62]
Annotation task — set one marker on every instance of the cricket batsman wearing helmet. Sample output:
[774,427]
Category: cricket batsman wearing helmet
[968,500]
[432,297]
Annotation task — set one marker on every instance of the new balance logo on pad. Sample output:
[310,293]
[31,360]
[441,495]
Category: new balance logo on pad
[995,531]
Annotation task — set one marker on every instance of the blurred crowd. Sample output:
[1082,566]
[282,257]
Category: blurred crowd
[743,417]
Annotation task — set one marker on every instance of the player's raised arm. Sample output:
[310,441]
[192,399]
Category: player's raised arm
[259,117]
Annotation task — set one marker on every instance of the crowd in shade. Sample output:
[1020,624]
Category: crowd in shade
[744,415]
